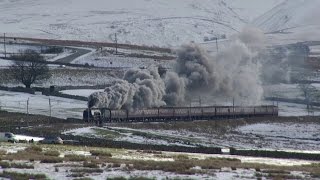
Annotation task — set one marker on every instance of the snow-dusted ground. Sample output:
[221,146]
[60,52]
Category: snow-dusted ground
[286,136]
[291,21]
[285,130]
[224,173]
[292,109]
[66,76]
[156,22]
[54,57]
[105,59]
[283,91]
[81,92]
[116,61]
[18,48]
[5,63]
[39,104]
[27,138]
[290,91]
[277,136]
[128,136]
[289,15]
[63,170]
[315,50]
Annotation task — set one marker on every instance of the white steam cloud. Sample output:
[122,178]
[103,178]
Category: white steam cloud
[233,72]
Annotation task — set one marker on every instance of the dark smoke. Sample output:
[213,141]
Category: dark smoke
[233,72]
[138,89]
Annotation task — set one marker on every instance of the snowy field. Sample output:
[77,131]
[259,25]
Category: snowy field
[5,63]
[18,48]
[291,21]
[65,170]
[315,49]
[157,22]
[309,131]
[116,61]
[291,91]
[39,104]
[81,92]
[297,136]
[68,77]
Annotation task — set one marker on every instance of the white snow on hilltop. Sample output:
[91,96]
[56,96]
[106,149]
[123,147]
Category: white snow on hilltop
[290,14]
[294,20]
[151,22]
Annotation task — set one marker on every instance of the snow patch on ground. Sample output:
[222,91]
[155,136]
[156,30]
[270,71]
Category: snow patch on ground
[81,92]
[27,138]
[39,104]
[80,131]
[5,63]
[291,22]
[286,130]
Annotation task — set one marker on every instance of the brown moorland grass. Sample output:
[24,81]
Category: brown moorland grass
[100,153]
[183,164]
[5,164]
[22,176]
[52,153]
[92,164]
[75,158]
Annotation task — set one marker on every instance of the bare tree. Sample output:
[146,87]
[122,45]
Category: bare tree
[309,93]
[29,68]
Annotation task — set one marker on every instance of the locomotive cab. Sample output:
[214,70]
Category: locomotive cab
[87,115]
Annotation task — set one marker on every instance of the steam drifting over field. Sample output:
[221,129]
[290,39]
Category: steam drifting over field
[233,72]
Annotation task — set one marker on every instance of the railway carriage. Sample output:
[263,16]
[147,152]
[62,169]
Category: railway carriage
[182,113]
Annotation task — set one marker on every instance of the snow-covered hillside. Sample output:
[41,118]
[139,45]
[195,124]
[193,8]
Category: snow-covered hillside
[151,22]
[293,19]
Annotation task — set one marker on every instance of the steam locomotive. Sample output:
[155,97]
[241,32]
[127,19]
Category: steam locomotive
[163,114]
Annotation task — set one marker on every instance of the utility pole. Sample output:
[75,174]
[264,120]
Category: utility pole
[234,116]
[28,106]
[217,44]
[50,107]
[4,45]
[116,41]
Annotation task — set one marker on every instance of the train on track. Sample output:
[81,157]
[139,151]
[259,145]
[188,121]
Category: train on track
[163,114]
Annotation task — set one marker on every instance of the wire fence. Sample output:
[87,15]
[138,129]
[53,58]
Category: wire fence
[43,105]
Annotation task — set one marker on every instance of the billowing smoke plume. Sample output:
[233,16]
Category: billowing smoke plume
[175,89]
[138,89]
[233,72]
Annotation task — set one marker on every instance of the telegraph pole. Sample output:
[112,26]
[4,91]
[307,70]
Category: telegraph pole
[28,106]
[4,45]
[116,41]
[217,44]
[234,116]
[50,106]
